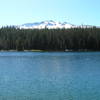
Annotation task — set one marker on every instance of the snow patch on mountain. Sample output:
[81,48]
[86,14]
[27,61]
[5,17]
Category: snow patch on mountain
[46,24]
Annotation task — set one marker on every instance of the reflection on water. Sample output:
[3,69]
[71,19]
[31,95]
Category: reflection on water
[49,76]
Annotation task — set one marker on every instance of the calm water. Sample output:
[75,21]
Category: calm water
[49,76]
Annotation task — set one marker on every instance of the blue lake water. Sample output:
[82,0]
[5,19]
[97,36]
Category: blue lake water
[49,75]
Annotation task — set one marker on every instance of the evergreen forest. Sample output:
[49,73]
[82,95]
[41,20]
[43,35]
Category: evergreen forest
[75,39]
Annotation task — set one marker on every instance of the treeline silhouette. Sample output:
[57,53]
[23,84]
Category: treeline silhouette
[12,38]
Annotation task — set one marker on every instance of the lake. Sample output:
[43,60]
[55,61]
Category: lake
[49,75]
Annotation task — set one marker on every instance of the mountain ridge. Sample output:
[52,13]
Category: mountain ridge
[50,24]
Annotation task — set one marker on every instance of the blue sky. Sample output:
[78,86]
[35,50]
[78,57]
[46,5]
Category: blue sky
[15,12]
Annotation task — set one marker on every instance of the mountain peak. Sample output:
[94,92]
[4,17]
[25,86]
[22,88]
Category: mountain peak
[50,24]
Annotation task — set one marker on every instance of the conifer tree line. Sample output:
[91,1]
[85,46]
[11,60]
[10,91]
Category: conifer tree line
[12,38]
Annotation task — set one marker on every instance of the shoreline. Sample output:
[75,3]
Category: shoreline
[80,50]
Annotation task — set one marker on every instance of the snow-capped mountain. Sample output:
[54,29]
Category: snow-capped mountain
[46,24]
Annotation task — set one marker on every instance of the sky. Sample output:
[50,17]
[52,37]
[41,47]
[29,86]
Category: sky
[16,12]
